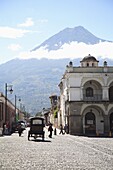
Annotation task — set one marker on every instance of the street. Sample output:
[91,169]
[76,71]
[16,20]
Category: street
[61,152]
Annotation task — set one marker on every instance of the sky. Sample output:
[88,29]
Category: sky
[25,24]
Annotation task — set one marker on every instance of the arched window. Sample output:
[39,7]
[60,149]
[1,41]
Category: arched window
[89,92]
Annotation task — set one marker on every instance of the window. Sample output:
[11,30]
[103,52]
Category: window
[37,122]
[89,92]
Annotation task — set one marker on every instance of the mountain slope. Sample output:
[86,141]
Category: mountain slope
[33,80]
[68,35]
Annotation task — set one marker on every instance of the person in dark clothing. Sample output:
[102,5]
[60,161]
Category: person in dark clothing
[50,129]
[61,130]
[66,129]
[3,132]
[20,130]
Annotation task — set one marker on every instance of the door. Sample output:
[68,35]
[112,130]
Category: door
[90,124]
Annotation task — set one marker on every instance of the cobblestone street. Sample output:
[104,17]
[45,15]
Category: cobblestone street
[62,152]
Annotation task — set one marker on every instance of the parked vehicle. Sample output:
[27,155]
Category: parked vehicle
[15,126]
[36,128]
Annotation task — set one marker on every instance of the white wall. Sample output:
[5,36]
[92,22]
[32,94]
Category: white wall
[99,124]
[74,94]
[74,81]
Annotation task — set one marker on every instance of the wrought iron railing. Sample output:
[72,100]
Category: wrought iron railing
[95,97]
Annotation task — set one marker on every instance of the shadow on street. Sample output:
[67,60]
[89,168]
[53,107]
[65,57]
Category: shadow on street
[39,140]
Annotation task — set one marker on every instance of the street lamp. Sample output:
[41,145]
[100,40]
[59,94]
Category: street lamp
[19,107]
[7,88]
[16,106]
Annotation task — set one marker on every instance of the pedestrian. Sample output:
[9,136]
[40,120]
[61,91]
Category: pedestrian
[20,130]
[50,129]
[55,131]
[61,130]
[3,132]
[66,128]
[5,129]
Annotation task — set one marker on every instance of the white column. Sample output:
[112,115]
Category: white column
[105,95]
[81,93]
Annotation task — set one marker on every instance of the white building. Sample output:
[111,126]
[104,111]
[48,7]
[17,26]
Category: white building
[86,98]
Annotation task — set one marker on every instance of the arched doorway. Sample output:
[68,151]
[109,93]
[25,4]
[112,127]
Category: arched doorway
[111,122]
[90,124]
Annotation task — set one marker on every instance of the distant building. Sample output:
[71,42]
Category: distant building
[86,98]
[54,111]
[46,114]
[10,116]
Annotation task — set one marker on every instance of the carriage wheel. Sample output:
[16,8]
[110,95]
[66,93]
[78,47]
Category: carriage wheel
[35,136]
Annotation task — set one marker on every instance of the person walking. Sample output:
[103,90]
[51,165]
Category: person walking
[50,129]
[20,130]
[61,130]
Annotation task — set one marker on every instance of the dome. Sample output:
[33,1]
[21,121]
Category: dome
[89,58]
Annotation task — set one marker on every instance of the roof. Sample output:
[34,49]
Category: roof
[33,118]
[89,58]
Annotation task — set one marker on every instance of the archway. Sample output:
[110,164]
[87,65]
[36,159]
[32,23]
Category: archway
[90,124]
[111,122]
[92,91]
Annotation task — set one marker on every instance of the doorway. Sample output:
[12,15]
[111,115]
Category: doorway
[90,124]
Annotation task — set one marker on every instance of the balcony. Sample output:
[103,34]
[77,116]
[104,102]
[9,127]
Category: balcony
[95,97]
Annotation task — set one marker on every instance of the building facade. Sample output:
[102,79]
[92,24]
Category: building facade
[86,98]
[9,117]
[9,113]
[54,110]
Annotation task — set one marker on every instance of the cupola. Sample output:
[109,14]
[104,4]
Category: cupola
[89,61]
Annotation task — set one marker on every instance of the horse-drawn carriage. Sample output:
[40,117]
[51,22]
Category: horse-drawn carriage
[36,128]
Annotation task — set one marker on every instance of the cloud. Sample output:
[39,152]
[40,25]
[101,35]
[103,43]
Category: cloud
[8,32]
[42,20]
[29,22]
[73,50]
[14,47]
